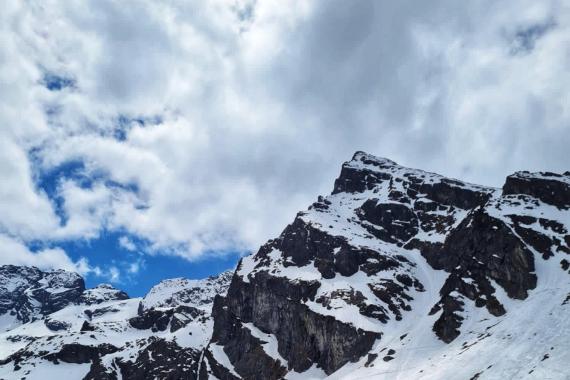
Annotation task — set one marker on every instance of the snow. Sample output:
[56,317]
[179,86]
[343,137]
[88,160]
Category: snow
[181,291]
[490,345]
[247,266]
[46,370]
[8,322]
[221,357]
[269,343]
[312,373]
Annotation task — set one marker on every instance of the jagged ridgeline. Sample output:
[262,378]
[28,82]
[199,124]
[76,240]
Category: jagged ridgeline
[399,273]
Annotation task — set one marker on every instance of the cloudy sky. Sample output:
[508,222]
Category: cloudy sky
[150,139]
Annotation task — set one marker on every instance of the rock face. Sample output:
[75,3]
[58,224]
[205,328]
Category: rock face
[550,188]
[399,273]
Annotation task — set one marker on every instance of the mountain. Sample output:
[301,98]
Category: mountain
[405,273]
[101,333]
[399,273]
[27,294]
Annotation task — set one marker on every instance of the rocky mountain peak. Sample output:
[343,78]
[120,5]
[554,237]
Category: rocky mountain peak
[182,291]
[27,293]
[102,293]
[390,245]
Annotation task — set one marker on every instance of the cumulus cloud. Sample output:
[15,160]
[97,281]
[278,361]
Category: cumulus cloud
[127,243]
[203,127]
[16,253]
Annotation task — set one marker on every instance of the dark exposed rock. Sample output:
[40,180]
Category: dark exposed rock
[477,252]
[393,295]
[159,319]
[78,353]
[86,326]
[139,358]
[481,248]
[396,222]
[94,313]
[303,243]
[485,246]
[162,360]
[304,336]
[447,325]
[356,181]
[219,371]
[370,359]
[451,192]
[98,371]
[55,325]
[550,188]
[248,356]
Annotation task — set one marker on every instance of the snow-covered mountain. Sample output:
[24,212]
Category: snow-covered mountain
[27,294]
[101,333]
[398,274]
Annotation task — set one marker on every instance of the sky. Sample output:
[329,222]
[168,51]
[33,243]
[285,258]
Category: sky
[142,140]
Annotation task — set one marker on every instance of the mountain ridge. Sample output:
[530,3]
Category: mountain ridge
[398,272]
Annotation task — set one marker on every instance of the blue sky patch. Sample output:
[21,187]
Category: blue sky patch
[124,123]
[137,270]
[54,82]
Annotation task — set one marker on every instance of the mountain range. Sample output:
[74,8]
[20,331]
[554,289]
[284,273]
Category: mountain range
[397,274]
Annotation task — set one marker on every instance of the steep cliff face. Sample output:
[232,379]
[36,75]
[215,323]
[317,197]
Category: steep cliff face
[392,253]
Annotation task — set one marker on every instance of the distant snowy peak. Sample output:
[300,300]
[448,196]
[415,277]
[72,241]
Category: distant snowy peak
[182,291]
[100,333]
[27,293]
[102,293]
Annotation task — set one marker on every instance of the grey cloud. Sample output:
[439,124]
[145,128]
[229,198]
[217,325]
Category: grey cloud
[257,104]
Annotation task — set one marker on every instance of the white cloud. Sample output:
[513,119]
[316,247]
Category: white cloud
[16,253]
[114,274]
[258,104]
[127,243]
[134,267]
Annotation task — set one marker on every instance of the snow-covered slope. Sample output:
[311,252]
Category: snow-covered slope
[181,291]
